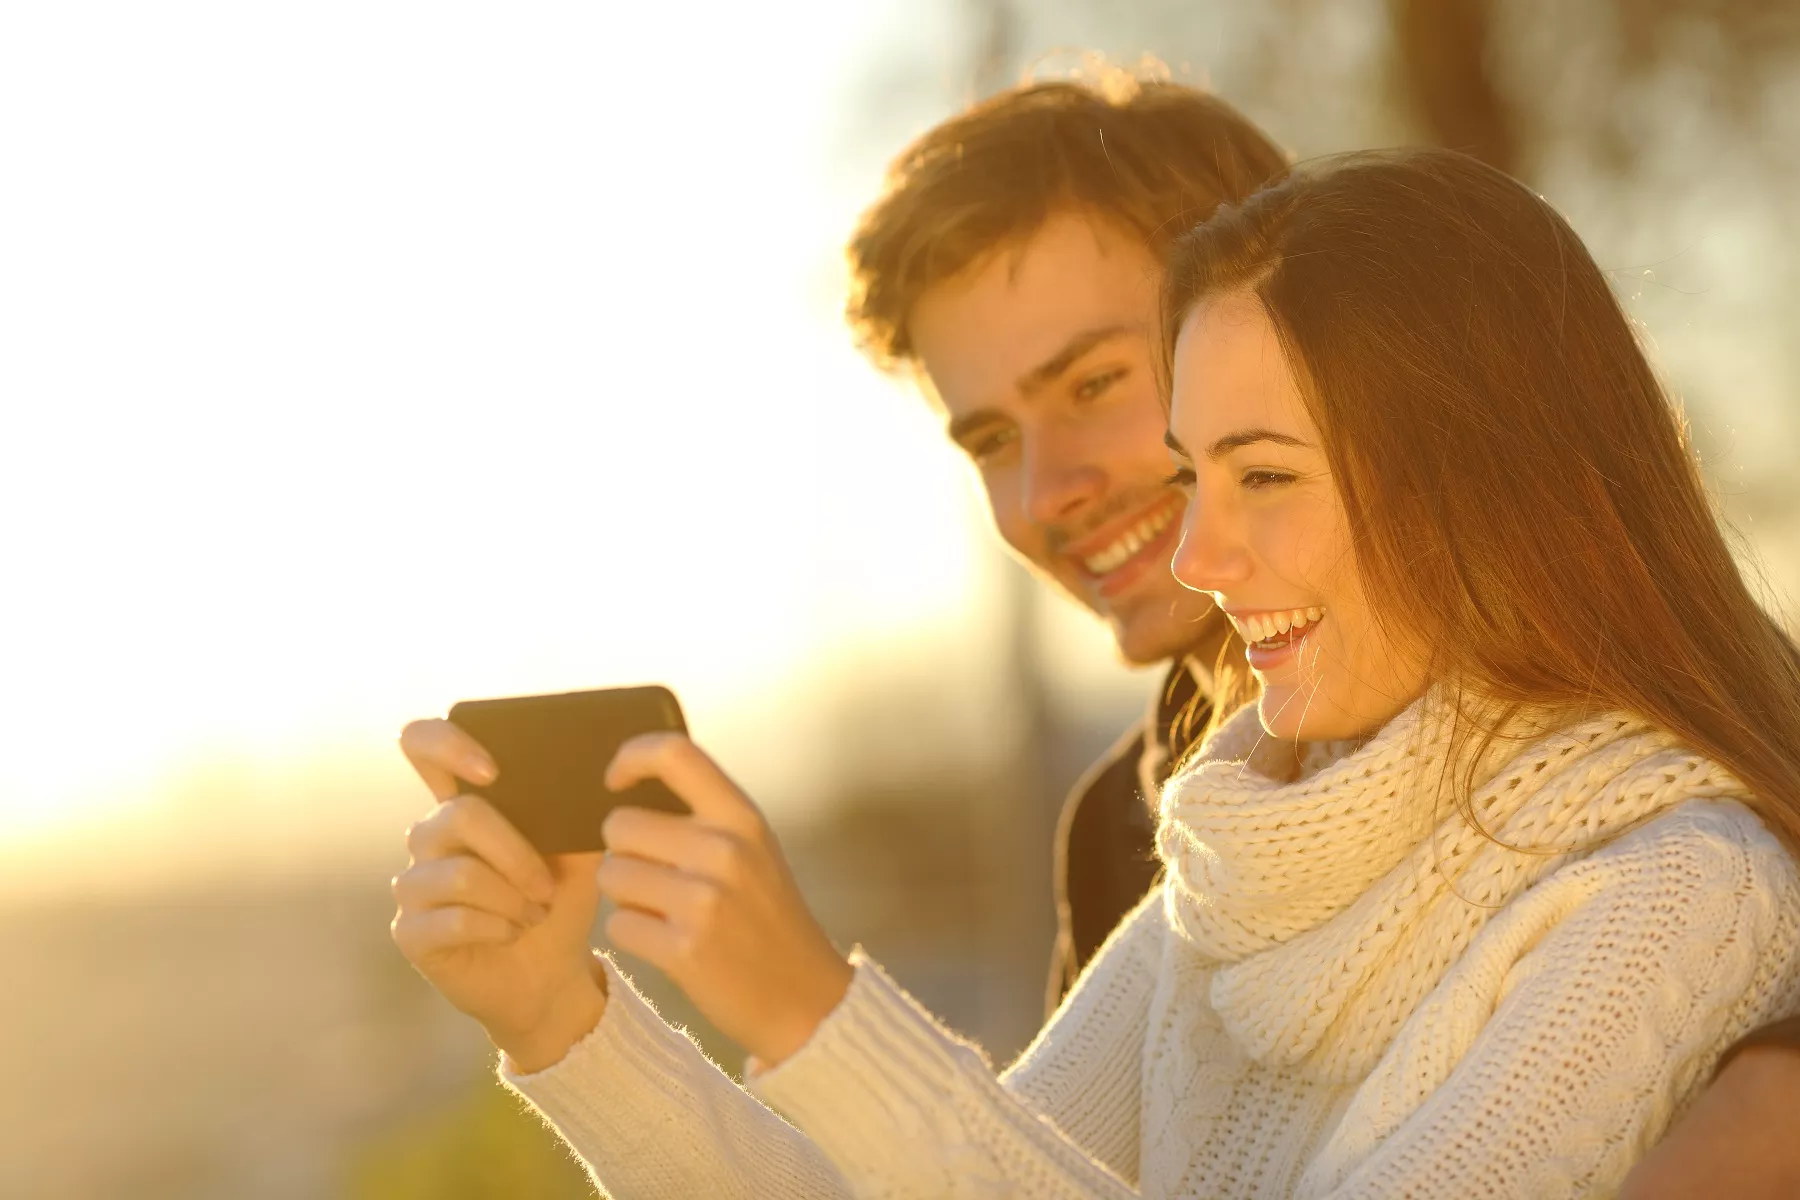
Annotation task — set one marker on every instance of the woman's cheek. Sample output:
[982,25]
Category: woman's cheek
[1320,552]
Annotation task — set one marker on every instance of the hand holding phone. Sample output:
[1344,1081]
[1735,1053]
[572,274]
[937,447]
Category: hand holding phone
[499,928]
[500,923]
[552,753]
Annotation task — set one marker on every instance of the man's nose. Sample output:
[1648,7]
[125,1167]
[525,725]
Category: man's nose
[1210,557]
[1059,482]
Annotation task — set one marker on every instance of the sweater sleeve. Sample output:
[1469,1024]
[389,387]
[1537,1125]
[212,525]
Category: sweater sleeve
[1627,974]
[652,1117]
[906,1109]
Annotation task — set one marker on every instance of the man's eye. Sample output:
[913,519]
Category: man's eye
[1183,478]
[984,446]
[1256,480]
[1091,387]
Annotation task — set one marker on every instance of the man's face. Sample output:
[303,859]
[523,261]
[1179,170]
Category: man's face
[1042,358]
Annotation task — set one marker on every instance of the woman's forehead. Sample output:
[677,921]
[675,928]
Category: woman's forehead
[1230,372]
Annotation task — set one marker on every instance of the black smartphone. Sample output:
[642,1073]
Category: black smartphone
[552,753]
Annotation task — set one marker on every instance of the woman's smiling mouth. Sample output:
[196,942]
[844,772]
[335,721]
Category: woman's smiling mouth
[1272,636]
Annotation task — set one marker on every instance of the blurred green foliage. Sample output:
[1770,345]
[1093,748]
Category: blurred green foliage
[485,1147]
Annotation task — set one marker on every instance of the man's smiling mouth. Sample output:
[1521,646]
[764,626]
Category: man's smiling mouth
[1120,550]
[1129,542]
[1118,555]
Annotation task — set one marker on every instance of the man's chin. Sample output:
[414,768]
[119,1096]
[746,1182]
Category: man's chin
[1168,628]
[1143,644]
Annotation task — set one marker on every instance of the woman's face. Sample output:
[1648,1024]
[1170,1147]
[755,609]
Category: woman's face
[1265,532]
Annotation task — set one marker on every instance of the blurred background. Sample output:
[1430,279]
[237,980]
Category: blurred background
[360,358]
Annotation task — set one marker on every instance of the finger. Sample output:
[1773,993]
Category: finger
[655,888]
[649,937]
[678,841]
[442,754]
[467,882]
[689,773]
[439,930]
[470,825]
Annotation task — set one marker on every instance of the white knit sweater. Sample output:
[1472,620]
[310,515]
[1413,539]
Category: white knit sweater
[1344,989]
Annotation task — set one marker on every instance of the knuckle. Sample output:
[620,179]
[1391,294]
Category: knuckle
[404,930]
[705,899]
[459,878]
[730,860]
[620,825]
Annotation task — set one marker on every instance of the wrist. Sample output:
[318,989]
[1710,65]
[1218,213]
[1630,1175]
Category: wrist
[809,1012]
[572,1013]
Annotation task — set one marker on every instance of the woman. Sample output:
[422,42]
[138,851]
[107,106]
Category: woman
[1466,902]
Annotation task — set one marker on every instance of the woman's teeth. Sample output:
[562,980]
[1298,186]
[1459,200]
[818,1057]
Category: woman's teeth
[1265,626]
[1130,542]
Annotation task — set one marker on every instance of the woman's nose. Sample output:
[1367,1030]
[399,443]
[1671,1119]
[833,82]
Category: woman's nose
[1209,557]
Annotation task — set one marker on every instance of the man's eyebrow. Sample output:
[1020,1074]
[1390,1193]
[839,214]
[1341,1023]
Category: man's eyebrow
[1174,444]
[1044,373]
[1051,368]
[1247,437]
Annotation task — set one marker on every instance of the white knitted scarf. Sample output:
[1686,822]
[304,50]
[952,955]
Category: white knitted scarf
[1336,903]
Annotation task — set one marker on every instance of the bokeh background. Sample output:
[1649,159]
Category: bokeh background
[356,358]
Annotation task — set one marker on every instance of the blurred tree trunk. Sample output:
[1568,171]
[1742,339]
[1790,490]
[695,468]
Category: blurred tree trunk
[1443,52]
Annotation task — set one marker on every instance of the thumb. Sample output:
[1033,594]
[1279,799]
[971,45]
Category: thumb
[690,774]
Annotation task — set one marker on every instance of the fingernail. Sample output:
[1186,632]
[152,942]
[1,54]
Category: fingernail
[543,891]
[538,914]
[479,770]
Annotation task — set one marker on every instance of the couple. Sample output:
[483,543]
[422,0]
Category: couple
[1482,864]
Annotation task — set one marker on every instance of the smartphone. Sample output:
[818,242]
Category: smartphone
[552,753]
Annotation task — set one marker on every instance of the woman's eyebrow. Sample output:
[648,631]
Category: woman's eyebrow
[1247,437]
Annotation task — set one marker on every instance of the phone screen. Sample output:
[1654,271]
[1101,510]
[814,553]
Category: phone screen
[552,753]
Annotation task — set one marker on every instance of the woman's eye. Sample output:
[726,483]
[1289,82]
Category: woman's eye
[1255,480]
[1093,386]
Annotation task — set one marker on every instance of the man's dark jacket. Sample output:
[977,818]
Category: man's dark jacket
[1106,837]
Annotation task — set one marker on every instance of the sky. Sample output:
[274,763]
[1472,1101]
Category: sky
[360,358]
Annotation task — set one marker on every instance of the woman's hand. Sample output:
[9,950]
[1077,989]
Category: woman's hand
[498,929]
[709,900]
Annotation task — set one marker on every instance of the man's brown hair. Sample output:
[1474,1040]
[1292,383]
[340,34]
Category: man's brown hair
[1154,157]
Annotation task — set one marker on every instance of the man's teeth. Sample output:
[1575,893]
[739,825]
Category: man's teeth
[1130,542]
[1260,627]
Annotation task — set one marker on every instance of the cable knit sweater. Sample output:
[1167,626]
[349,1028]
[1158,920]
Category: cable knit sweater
[1344,989]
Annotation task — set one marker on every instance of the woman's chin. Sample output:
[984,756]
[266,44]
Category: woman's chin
[1310,714]
[1281,711]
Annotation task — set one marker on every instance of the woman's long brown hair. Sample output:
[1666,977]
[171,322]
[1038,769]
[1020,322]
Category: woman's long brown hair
[1519,488]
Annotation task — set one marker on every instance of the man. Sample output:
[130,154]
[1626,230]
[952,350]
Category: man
[1012,264]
